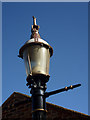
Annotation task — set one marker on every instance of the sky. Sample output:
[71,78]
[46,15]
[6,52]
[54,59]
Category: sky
[65,27]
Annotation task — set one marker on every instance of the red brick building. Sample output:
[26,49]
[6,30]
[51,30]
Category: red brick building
[18,107]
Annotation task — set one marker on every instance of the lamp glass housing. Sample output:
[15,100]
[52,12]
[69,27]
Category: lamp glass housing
[36,59]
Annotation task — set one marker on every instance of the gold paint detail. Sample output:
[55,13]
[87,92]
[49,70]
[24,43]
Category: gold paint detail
[71,86]
[39,110]
[65,88]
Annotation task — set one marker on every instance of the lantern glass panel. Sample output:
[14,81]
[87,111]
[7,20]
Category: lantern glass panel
[36,58]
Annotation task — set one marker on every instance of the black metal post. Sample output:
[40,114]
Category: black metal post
[38,88]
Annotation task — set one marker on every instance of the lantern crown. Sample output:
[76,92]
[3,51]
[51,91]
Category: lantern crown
[35,29]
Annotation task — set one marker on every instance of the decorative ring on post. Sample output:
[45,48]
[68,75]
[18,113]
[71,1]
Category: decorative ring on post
[39,110]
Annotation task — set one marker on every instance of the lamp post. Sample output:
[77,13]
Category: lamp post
[36,54]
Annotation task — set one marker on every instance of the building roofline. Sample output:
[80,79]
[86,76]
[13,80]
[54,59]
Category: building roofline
[13,95]
[57,106]
[46,103]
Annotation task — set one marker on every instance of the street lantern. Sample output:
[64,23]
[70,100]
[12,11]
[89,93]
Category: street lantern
[36,54]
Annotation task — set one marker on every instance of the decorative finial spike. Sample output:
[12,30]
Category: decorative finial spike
[35,29]
[34,21]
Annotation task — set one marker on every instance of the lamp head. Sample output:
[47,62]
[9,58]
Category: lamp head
[36,53]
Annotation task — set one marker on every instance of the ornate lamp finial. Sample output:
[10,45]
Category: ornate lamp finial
[35,29]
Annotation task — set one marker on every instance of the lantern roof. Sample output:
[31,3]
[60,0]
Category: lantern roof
[35,39]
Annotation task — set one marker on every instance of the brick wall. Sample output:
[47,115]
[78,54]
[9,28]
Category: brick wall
[18,106]
[59,113]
